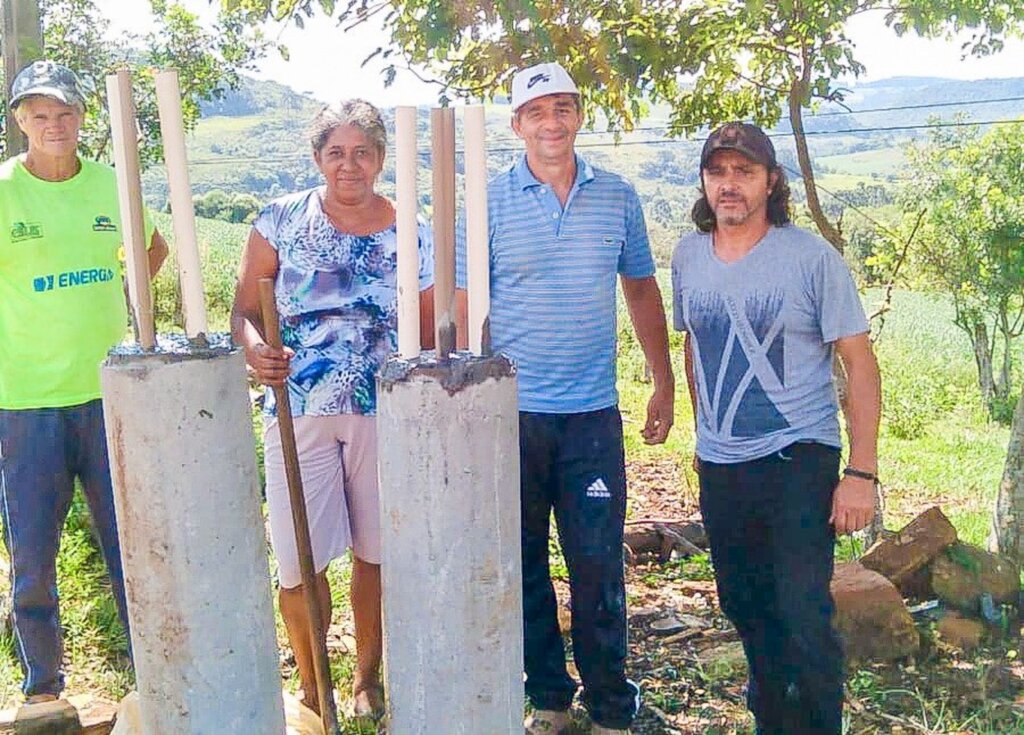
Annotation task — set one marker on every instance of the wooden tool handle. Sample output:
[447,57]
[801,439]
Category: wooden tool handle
[300,521]
[268,305]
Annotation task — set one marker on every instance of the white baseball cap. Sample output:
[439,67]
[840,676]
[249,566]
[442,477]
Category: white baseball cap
[538,81]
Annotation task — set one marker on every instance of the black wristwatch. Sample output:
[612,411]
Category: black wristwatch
[860,474]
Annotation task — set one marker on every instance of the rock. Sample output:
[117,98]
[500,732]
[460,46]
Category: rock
[897,558]
[340,641]
[665,538]
[870,615]
[960,632]
[47,718]
[724,661]
[918,586]
[97,717]
[962,574]
[636,615]
[667,625]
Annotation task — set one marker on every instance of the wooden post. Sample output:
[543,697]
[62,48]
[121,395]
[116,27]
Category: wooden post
[406,204]
[23,44]
[442,125]
[297,499]
[478,267]
[124,134]
[190,273]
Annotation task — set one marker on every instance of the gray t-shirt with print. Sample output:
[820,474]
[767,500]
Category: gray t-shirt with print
[761,331]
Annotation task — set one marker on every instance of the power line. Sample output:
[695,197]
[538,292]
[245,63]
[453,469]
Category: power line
[810,115]
[830,113]
[898,108]
[885,229]
[627,143]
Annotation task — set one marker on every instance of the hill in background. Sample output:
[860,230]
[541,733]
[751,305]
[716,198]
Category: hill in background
[254,141]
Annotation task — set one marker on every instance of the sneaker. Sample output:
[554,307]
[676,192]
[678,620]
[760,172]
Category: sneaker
[547,722]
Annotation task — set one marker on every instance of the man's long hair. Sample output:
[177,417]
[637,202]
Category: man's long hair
[778,205]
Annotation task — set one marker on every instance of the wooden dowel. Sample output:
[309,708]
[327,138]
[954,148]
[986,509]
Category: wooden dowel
[190,272]
[442,125]
[300,522]
[124,135]
[406,205]
[478,271]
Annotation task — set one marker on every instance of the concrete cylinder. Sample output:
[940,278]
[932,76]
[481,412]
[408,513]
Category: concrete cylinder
[448,455]
[186,488]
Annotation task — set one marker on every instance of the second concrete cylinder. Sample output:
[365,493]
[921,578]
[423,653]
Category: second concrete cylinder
[448,448]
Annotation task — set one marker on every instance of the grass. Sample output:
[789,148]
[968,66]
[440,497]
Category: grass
[876,163]
[936,444]
[936,447]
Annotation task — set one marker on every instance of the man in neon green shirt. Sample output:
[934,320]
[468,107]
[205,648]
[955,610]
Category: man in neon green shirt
[62,307]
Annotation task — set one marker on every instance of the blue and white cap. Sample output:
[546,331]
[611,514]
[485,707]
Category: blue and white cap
[538,81]
[48,79]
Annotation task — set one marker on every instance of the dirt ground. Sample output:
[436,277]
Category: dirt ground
[694,684]
[692,681]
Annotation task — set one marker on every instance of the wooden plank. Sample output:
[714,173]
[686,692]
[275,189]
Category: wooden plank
[442,125]
[478,265]
[407,205]
[190,269]
[21,22]
[124,135]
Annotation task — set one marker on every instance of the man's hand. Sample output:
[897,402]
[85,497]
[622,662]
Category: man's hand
[659,415]
[270,365]
[853,504]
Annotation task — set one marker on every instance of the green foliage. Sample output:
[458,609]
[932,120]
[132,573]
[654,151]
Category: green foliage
[220,247]
[747,57]
[236,207]
[710,61]
[972,237]
[208,61]
[956,458]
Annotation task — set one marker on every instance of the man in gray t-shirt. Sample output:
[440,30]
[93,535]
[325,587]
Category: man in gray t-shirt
[765,305]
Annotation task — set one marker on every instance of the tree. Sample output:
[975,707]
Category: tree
[973,249]
[231,207]
[78,36]
[973,240]
[710,60]
[1007,535]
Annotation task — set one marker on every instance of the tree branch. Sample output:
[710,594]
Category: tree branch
[886,303]
[796,94]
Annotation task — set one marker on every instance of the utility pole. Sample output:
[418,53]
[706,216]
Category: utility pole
[23,44]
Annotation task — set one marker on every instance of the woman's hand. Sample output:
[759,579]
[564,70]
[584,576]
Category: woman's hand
[271,364]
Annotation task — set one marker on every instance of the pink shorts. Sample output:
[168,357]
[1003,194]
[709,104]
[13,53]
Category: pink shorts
[338,464]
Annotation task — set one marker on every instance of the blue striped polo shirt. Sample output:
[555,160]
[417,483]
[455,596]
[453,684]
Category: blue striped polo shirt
[553,272]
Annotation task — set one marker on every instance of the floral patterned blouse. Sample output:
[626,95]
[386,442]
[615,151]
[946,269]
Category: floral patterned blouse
[337,298]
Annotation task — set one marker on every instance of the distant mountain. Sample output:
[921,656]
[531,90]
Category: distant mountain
[254,96]
[254,141]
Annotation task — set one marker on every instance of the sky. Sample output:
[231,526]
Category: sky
[326,62]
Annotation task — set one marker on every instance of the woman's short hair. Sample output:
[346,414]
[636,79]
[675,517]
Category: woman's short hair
[778,205]
[355,112]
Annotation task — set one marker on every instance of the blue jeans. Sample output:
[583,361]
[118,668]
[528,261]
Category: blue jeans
[772,547]
[42,451]
[573,464]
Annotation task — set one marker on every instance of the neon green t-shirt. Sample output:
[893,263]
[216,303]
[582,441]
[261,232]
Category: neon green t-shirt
[62,303]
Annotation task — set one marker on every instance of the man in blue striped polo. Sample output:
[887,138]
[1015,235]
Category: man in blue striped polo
[560,232]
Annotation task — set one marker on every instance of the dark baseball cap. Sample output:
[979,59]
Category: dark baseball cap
[743,138]
[48,79]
